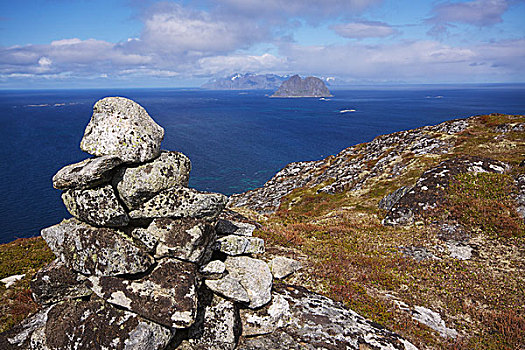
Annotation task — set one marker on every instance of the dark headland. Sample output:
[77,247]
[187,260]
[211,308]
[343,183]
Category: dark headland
[307,87]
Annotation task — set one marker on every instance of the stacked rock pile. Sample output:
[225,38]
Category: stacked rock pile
[145,262]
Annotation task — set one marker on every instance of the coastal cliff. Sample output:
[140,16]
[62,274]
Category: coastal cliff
[413,239]
[307,87]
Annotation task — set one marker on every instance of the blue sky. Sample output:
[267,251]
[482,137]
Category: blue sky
[133,43]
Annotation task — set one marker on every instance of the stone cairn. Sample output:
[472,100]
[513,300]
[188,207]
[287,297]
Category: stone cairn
[146,262]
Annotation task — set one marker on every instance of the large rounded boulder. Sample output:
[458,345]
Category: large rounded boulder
[123,128]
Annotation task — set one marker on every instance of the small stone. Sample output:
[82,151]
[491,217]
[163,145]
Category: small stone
[186,239]
[254,275]
[137,184]
[228,227]
[55,283]
[459,250]
[181,202]
[230,288]
[122,127]
[267,319]
[85,325]
[11,280]
[167,295]
[238,245]
[95,251]
[87,173]
[282,267]
[433,320]
[98,206]
[214,267]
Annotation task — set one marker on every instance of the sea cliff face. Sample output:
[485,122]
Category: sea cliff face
[307,87]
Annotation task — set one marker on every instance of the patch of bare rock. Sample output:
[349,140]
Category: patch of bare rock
[147,263]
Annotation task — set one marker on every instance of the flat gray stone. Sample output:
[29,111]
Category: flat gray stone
[95,251]
[254,276]
[229,287]
[97,206]
[137,184]
[238,245]
[181,202]
[87,173]
[56,282]
[167,295]
[282,267]
[214,267]
[186,238]
[229,227]
[267,319]
[121,127]
[85,325]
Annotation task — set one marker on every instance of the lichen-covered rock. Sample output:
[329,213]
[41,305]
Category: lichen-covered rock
[167,295]
[267,319]
[97,206]
[282,267]
[55,282]
[318,322]
[218,325]
[214,269]
[229,227]
[137,184]
[181,202]
[121,127]
[238,245]
[429,190]
[186,238]
[251,274]
[230,288]
[85,325]
[95,251]
[392,198]
[87,173]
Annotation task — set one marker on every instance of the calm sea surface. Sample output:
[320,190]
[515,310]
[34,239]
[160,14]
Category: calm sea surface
[235,140]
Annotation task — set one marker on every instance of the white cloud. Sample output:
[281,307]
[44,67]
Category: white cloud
[364,29]
[225,65]
[476,12]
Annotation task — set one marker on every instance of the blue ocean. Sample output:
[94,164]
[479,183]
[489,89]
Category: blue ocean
[236,140]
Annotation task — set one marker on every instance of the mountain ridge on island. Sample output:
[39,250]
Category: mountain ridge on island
[247,81]
[295,87]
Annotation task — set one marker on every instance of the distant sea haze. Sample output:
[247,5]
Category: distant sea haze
[235,140]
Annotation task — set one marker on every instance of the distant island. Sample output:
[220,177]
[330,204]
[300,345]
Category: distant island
[307,87]
[248,81]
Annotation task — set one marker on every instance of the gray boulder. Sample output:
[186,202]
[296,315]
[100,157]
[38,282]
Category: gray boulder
[387,202]
[55,283]
[230,288]
[181,202]
[98,206]
[229,227]
[167,295]
[238,245]
[267,319]
[186,239]
[121,127]
[85,325]
[95,251]
[213,270]
[87,173]
[282,267]
[137,184]
[247,278]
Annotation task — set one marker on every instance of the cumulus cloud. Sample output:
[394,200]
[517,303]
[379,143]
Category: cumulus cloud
[314,9]
[172,28]
[225,65]
[410,61]
[476,12]
[364,29]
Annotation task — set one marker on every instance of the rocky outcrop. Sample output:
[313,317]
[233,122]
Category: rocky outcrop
[147,264]
[307,87]
[386,157]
